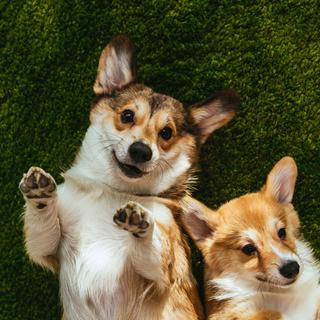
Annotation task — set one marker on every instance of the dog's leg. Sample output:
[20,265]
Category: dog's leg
[148,246]
[41,223]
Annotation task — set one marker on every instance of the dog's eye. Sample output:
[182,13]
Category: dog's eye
[166,133]
[127,116]
[282,233]
[249,249]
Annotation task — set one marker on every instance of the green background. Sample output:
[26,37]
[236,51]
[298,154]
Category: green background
[269,51]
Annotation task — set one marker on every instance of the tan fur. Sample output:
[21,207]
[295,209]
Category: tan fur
[253,218]
[183,298]
[267,315]
[234,218]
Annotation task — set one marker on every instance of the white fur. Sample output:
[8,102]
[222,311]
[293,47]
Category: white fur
[286,256]
[295,302]
[251,234]
[94,251]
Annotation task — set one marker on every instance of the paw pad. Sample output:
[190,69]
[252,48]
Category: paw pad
[37,184]
[133,218]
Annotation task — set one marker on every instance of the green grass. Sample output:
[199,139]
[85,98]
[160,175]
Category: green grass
[268,50]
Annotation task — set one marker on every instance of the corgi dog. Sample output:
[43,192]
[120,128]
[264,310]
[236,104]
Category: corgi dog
[256,265]
[109,229]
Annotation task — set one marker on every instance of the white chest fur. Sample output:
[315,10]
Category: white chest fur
[94,251]
[298,305]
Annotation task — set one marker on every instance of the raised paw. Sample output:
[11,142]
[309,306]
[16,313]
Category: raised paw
[37,184]
[134,218]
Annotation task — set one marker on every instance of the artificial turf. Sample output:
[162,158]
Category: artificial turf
[269,51]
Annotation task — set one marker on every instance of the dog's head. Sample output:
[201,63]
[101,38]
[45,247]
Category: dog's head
[253,237]
[141,141]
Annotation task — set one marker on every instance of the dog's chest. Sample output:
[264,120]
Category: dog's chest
[94,253]
[295,306]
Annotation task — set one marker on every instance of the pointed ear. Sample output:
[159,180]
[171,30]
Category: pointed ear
[281,180]
[215,112]
[116,65]
[198,221]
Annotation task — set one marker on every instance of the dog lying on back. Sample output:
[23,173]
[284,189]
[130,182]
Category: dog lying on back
[256,266]
[109,228]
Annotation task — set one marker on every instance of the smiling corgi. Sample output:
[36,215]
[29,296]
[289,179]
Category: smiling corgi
[256,265]
[109,229]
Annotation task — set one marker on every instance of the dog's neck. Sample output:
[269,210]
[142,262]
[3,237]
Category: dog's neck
[84,184]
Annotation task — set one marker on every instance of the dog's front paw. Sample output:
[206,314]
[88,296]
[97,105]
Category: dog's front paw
[36,184]
[134,218]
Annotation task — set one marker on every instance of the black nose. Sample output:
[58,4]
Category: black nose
[290,269]
[140,152]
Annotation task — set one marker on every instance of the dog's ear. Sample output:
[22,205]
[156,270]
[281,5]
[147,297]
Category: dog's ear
[281,180]
[199,221]
[215,112]
[116,65]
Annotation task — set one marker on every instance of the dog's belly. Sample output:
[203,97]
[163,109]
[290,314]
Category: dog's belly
[96,281]
[124,301]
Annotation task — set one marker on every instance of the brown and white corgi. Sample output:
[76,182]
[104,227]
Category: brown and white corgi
[107,229]
[256,265]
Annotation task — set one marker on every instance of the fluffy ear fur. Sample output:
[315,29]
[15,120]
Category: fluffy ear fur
[281,180]
[197,220]
[116,65]
[215,112]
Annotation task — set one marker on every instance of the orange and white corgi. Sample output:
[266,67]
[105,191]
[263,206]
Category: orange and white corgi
[256,265]
[109,228]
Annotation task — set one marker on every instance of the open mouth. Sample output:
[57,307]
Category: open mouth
[129,170]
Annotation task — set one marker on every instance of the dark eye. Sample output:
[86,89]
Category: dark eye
[249,249]
[282,233]
[127,116]
[166,133]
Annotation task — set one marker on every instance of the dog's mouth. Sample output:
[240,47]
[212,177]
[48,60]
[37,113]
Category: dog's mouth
[275,284]
[129,170]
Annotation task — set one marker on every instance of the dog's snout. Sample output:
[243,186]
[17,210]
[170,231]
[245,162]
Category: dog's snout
[290,269]
[140,152]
